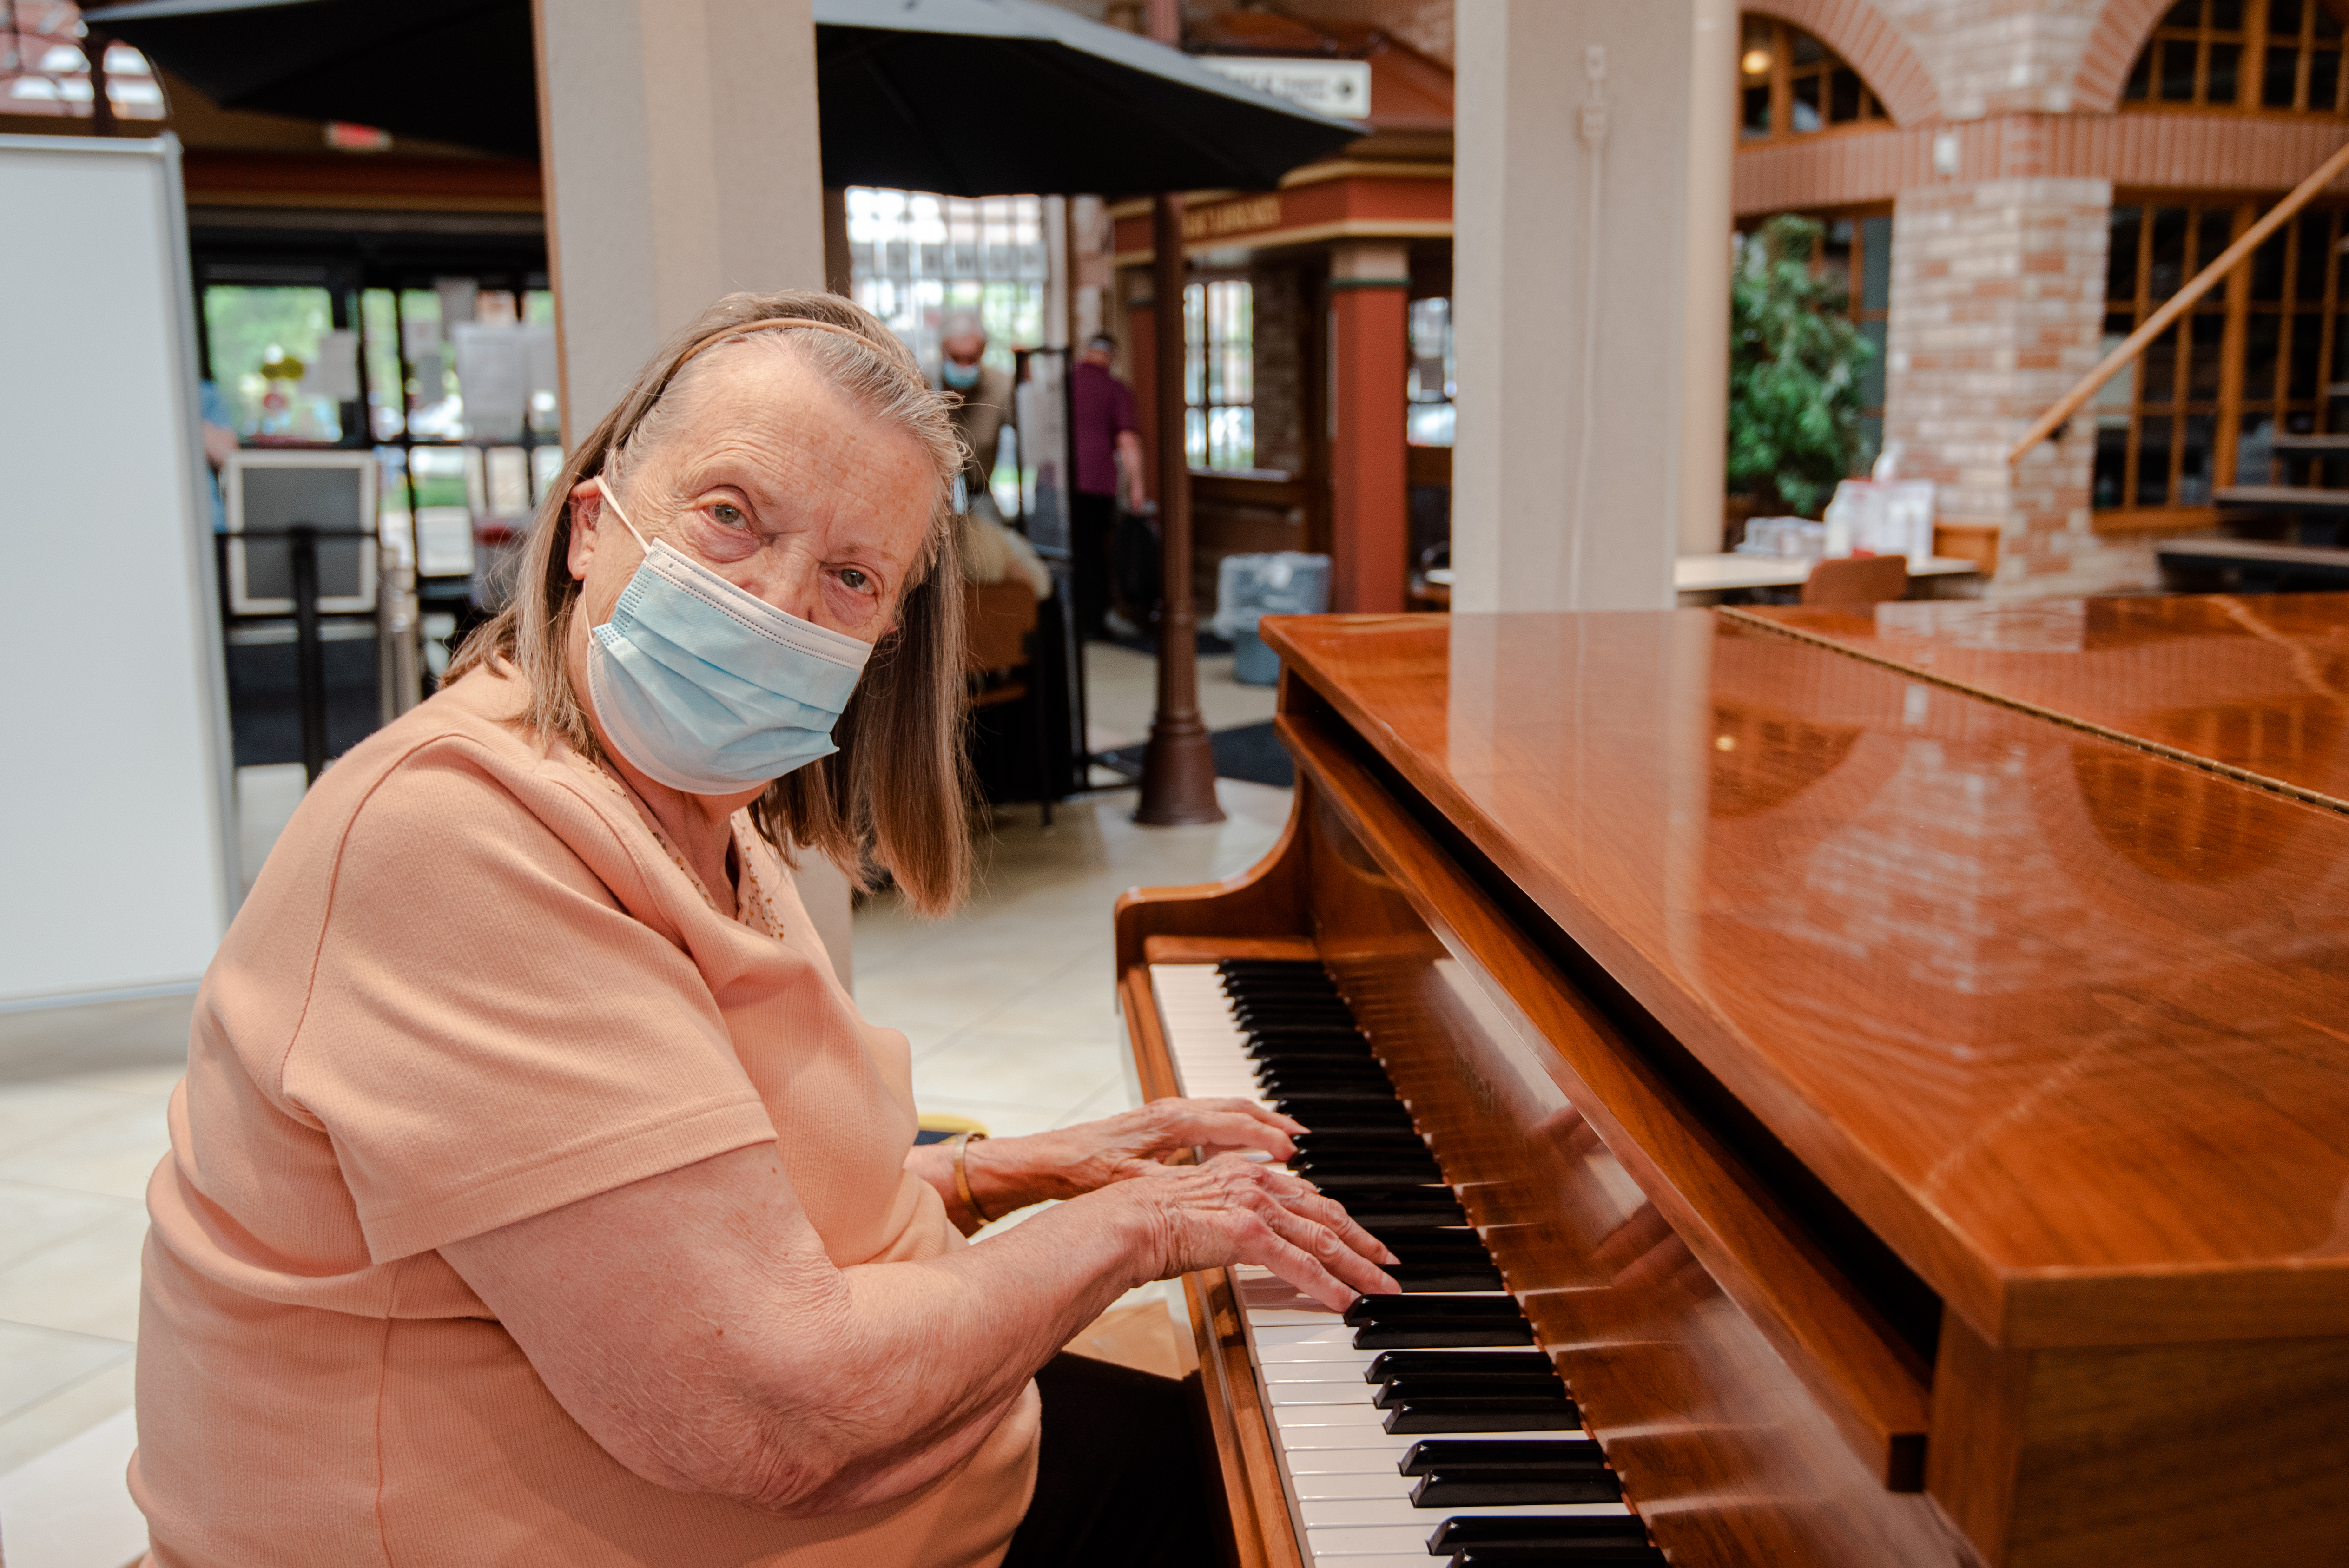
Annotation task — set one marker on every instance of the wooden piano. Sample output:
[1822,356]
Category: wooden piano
[1896,1064]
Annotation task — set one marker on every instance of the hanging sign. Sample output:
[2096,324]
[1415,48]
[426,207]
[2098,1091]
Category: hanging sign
[1340,87]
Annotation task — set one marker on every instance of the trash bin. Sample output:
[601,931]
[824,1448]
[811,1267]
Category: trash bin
[1248,587]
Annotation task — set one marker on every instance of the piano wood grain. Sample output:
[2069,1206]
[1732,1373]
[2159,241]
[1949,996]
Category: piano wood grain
[2072,1050]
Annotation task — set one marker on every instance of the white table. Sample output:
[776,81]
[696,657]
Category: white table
[1696,578]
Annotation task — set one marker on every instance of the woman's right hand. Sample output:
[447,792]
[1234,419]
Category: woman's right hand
[1232,1210]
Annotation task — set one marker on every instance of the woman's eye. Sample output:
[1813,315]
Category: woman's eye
[728,514]
[856,581]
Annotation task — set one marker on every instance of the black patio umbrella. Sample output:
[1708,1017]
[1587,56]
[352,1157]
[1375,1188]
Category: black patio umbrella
[967,97]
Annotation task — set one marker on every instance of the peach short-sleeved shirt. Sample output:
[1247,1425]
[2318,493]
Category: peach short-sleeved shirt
[473,984]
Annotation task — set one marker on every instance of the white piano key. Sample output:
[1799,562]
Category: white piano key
[1335,1333]
[1321,1370]
[1392,1445]
[1367,1483]
[1353,1391]
[1343,1512]
[1293,1317]
[1416,1557]
[1362,1414]
[1398,1541]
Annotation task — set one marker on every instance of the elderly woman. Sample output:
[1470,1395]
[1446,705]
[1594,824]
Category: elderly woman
[536,1195]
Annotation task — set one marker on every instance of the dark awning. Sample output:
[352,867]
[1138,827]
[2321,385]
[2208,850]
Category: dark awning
[967,98]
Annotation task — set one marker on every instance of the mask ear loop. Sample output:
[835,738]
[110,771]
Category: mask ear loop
[604,489]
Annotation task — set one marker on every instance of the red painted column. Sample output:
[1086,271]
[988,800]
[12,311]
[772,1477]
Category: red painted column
[1369,291]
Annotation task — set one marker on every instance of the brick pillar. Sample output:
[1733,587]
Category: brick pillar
[1998,295]
[1369,493]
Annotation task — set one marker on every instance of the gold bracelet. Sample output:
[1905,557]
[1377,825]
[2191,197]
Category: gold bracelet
[962,1176]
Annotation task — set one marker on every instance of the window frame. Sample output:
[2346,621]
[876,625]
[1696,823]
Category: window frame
[1201,384]
[2255,42]
[1872,115]
[2237,403]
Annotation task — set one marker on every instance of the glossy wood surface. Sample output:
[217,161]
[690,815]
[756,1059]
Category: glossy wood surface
[1724,1449]
[2258,683]
[2065,1024]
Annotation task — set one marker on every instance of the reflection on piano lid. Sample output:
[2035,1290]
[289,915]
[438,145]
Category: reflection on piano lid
[1891,1155]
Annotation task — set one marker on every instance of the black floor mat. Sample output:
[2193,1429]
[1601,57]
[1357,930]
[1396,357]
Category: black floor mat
[1250,752]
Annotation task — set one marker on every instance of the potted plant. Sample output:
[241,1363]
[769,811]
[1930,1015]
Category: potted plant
[1795,361]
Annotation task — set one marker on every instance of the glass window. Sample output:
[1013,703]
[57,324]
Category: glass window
[1434,375]
[1219,373]
[264,342]
[1858,251]
[2282,56]
[2173,427]
[915,257]
[1790,84]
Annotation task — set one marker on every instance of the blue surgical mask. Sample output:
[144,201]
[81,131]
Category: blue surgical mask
[711,689]
[961,378]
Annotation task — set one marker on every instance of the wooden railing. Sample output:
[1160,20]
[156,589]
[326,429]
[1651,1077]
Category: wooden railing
[2179,303]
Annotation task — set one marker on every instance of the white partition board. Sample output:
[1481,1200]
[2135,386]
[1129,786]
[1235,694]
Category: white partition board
[115,811]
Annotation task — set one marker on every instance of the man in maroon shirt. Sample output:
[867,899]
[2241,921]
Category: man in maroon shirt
[1103,431]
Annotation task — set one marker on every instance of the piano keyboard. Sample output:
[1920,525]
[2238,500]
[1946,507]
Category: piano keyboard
[1412,1426]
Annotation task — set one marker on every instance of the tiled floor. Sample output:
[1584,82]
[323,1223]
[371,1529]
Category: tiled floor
[1122,691]
[1007,1006]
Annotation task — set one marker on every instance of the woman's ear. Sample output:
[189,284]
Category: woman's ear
[586,512]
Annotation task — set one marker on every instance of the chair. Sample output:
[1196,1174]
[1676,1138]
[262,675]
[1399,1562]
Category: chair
[1858,579]
[998,619]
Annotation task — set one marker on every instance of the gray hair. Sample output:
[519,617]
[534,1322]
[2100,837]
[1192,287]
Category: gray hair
[962,323]
[898,788]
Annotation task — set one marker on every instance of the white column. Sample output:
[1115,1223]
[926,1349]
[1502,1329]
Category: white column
[679,139]
[1591,260]
[682,164]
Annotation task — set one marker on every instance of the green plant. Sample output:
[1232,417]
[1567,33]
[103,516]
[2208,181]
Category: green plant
[1795,361]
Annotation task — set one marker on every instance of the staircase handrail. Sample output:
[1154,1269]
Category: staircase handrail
[2181,301]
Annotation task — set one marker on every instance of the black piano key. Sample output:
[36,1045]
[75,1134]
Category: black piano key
[1397,1322]
[1537,1388]
[1359,1093]
[1571,1557]
[1363,1141]
[1425,1186]
[1320,1115]
[1433,1278]
[1473,1414]
[1445,1489]
[1387,1171]
[1438,1335]
[1283,1035]
[1556,1538]
[1462,1246]
[1275,1017]
[1497,1455]
[1300,1050]
[1397,1364]
[1423,1205]
[1474,1308]
[1341,1079]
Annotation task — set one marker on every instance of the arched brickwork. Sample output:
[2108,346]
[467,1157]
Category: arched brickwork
[1874,47]
[2113,44]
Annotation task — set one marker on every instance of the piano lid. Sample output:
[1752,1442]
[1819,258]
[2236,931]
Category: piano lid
[2066,1022]
[2256,682]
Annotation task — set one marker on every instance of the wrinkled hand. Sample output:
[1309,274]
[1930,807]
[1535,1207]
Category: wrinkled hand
[1094,1154]
[1232,1210]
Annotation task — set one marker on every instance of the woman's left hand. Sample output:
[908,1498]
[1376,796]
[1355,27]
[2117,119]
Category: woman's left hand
[1008,1173]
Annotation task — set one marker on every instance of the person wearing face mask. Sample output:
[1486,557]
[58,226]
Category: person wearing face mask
[979,399]
[537,1195]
